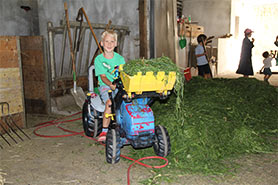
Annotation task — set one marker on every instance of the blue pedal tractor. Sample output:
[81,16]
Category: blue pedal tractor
[132,119]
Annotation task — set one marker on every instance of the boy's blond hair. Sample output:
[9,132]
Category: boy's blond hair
[109,32]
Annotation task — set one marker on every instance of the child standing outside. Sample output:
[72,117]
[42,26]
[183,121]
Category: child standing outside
[106,65]
[267,64]
[202,62]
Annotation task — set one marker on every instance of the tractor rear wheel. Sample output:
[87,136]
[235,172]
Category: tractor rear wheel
[92,124]
[113,147]
[162,145]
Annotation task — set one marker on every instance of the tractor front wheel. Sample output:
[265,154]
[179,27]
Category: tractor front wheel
[92,124]
[162,145]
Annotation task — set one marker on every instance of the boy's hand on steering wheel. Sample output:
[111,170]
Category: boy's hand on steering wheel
[112,86]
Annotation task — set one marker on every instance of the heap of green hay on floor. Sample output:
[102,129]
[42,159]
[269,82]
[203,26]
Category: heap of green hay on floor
[219,119]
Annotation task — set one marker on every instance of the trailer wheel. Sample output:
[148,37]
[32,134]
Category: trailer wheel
[92,124]
[113,148]
[162,145]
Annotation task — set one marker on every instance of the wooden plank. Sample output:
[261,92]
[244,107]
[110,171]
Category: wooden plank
[32,58]
[8,43]
[10,78]
[34,91]
[8,52]
[34,74]
[8,58]
[11,89]
[31,43]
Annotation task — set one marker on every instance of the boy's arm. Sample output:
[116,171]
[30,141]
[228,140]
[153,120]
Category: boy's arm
[199,55]
[107,82]
[198,52]
[261,68]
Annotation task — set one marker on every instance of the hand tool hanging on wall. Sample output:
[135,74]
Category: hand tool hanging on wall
[71,49]
[108,25]
[91,28]
[98,49]
[97,53]
[77,92]
[79,19]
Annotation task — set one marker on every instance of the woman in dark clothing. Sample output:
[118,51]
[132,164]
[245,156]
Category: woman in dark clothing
[245,63]
[276,42]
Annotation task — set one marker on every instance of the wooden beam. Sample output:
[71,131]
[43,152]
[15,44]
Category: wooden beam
[86,25]
[143,11]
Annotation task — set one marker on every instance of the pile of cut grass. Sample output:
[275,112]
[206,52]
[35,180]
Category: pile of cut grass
[155,65]
[219,119]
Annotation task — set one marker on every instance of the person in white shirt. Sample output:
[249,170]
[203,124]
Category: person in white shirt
[202,62]
[267,64]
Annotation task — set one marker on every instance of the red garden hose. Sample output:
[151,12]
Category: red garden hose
[57,123]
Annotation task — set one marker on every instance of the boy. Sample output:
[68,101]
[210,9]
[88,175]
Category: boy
[105,65]
[267,64]
[202,62]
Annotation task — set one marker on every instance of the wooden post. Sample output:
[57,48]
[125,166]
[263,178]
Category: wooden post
[143,10]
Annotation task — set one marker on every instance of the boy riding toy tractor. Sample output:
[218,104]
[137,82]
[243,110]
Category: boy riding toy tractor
[132,119]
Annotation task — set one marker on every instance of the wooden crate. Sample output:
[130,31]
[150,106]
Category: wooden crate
[11,83]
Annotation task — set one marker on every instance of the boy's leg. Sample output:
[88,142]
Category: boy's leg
[267,73]
[200,71]
[207,71]
[265,77]
[207,76]
[107,110]
[105,121]
[270,73]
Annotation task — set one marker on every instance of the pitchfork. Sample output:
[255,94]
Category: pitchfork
[8,124]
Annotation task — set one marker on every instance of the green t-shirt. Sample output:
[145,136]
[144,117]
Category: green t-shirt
[108,67]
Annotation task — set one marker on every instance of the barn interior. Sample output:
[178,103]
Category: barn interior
[43,53]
